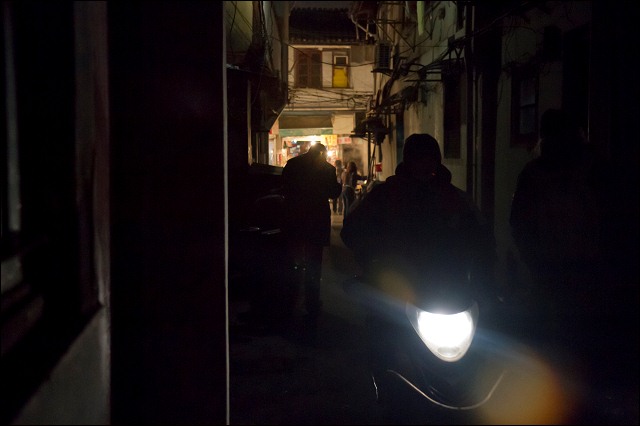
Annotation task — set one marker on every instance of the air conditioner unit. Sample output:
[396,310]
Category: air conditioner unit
[383,57]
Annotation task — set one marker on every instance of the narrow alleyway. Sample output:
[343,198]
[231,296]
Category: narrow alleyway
[279,378]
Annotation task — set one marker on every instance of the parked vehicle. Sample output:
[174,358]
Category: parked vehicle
[256,265]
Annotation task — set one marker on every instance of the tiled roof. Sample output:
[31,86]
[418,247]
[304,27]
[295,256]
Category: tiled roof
[321,26]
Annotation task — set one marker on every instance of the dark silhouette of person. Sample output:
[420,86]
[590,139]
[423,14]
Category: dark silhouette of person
[557,220]
[338,202]
[422,231]
[350,178]
[419,223]
[309,182]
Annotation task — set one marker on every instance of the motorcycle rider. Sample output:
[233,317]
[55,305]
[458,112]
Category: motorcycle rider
[419,226]
[417,238]
[416,235]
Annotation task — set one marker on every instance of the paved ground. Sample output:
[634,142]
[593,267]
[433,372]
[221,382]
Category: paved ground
[281,377]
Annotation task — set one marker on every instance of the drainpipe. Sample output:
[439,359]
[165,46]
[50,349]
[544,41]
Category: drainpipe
[284,57]
[468,57]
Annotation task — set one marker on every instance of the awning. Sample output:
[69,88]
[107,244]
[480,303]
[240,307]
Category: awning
[305,122]
[306,132]
[343,124]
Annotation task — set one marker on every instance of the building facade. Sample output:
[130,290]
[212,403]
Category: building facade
[478,75]
[330,87]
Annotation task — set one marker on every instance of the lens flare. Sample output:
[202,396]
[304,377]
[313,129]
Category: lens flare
[530,393]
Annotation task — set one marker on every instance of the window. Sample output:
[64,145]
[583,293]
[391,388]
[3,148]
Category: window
[308,68]
[340,70]
[524,108]
[460,12]
[575,70]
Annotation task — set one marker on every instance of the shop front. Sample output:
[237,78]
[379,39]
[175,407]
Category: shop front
[294,135]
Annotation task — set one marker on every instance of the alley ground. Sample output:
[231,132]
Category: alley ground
[280,377]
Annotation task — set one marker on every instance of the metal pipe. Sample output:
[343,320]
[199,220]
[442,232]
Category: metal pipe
[468,58]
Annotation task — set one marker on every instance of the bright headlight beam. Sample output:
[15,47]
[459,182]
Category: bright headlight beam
[445,330]
[447,336]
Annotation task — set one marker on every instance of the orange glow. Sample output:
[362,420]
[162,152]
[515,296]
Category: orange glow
[531,393]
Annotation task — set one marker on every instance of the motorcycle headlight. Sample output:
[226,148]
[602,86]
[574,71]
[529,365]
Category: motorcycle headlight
[448,336]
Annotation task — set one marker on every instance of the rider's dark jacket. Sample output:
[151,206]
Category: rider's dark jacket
[431,232]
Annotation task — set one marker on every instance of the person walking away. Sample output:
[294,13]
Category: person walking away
[338,202]
[309,181]
[350,178]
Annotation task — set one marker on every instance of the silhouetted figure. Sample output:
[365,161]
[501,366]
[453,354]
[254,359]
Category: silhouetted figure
[419,223]
[350,178]
[309,181]
[557,219]
[416,233]
[338,203]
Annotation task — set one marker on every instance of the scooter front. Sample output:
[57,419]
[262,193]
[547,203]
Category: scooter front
[435,361]
[437,371]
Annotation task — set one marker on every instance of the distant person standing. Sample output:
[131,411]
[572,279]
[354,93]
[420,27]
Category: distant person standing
[338,202]
[350,178]
[309,181]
